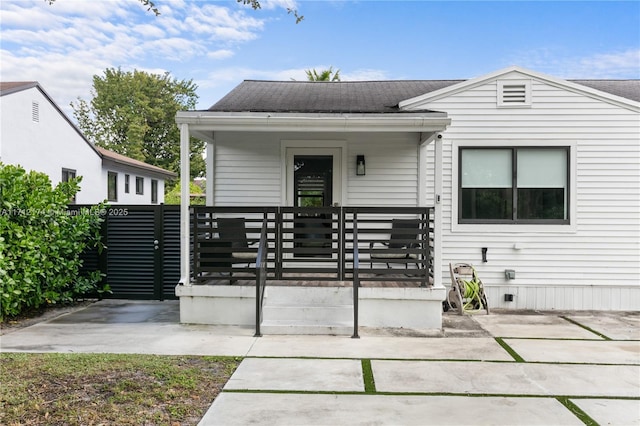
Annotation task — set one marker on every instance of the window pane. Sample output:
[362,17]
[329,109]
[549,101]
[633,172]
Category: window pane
[112,186]
[541,203]
[487,203]
[486,168]
[542,168]
[154,191]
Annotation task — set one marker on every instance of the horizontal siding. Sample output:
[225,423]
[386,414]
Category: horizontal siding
[248,168]
[391,170]
[598,265]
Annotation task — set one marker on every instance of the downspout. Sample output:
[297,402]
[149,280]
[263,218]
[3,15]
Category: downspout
[185,179]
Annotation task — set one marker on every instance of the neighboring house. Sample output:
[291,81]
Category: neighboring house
[37,135]
[527,172]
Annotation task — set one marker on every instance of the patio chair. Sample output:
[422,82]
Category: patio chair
[404,236]
[233,232]
[467,291]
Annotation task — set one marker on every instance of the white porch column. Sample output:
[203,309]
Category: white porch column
[185,179]
[210,163]
[437,222]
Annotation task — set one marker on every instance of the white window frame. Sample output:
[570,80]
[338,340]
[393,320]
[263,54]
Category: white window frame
[508,227]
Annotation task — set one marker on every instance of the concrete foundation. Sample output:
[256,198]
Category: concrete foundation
[378,307]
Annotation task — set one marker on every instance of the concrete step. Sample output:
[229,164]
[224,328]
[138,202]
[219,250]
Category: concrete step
[307,310]
[306,327]
[308,296]
[313,313]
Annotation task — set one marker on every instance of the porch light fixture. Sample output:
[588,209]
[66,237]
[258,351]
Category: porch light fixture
[360,167]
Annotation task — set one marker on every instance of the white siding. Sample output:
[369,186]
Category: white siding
[593,263]
[48,145]
[248,167]
[132,197]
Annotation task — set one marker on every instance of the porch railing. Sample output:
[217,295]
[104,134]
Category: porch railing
[261,275]
[316,244]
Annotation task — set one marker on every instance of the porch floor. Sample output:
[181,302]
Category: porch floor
[298,280]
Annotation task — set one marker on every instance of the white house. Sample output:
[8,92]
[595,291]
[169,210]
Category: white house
[526,172]
[37,135]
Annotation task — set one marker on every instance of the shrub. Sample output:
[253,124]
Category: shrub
[41,242]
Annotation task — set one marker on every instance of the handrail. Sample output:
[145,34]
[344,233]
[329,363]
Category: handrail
[261,275]
[356,277]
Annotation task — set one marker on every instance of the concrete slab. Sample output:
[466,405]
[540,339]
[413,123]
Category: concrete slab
[614,412]
[141,338]
[614,325]
[323,375]
[506,378]
[579,351]
[533,326]
[380,347]
[307,409]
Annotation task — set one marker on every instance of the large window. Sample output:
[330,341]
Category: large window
[112,186]
[513,185]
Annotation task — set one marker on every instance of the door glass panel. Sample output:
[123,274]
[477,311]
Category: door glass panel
[313,187]
[313,180]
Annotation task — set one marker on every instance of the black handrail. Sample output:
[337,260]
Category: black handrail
[261,275]
[356,277]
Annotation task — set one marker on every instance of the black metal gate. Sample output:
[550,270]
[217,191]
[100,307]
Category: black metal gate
[142,255]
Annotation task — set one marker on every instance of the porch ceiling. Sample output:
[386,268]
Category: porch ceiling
[208,121]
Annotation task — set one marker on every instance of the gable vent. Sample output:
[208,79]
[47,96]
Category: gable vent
[514,93]
[35,112]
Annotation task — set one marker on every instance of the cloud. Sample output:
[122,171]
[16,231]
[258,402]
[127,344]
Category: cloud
[620,64]
[65,44]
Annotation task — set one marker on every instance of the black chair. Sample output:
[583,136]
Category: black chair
[233,232]
[404,236]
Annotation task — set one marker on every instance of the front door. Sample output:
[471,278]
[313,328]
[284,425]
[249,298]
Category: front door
[313,182]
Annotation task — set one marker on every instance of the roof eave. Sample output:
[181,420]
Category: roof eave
[316,122]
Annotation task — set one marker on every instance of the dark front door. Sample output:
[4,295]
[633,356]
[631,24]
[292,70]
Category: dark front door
[313,188]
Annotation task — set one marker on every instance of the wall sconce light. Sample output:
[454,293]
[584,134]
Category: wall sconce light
[360,166]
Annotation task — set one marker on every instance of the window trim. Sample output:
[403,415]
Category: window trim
[115,183]
[514,227]
[140,191]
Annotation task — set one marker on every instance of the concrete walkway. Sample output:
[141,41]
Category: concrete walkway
[500,369]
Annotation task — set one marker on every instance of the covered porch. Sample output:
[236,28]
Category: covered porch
[328,260]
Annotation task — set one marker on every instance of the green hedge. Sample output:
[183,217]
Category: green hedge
[41,242]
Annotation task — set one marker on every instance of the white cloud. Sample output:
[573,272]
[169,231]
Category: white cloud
[65,44]
[622,64]
[220,54]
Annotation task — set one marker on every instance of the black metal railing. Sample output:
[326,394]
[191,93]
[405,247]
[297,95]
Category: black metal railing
[356,278]
[315,244]
[261,275]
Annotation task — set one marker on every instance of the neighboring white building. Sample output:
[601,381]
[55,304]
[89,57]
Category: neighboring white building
[37,135]
[527,172]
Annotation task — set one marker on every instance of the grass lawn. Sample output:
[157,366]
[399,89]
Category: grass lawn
[94,389]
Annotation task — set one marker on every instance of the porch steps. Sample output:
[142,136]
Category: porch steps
[307,310]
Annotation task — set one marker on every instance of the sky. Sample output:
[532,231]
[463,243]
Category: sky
[218,44]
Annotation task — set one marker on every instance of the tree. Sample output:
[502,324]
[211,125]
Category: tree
[324,75]
[133,113]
